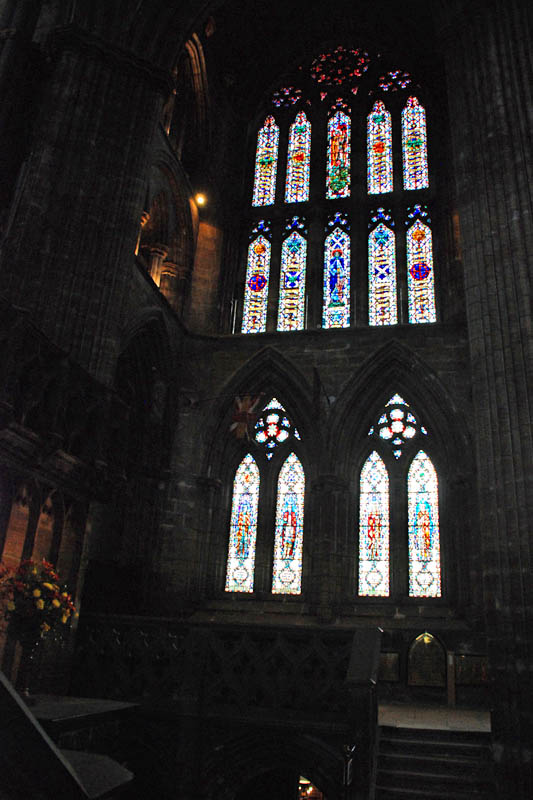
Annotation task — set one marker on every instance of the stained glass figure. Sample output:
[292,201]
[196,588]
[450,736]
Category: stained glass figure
[243,528]
[379,150]
[423,534]
[273,427]
[414,146]
[397,426]
[374,528]
[336,306]
[338,164]
[420,280]
[382,305]
[256,282]
[288,539]
[266,163]
[291,309]
[298,160]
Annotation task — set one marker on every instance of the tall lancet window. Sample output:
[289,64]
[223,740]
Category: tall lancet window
[336,305]
[243,528]
[338,160]
[382,306]
[374,528]
[379,149]
[414,146]
[420,278]
[291,309]
[298,160]
[424,536]
[266,163]
[288,539]
[257,278]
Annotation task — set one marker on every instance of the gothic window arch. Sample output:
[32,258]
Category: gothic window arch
[267,507]
[339,112]
[399,553]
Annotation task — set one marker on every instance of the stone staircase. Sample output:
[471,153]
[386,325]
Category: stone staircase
[434,764]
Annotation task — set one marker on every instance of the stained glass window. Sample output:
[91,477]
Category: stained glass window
[397,425]
[379,149]
[256,283]
[414,146]
[394,80]
[374,528]
[243,528]
[339,68]
[273,427]
[423,536]
[336,306]
[297,187]
[291,311]
[288,540]
[338,165]
[286,96]
[382,306]
[420,279]
[266,163]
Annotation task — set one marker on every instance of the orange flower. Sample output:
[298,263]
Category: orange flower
[48,586]
[39,604]
[36,592]
[56,603]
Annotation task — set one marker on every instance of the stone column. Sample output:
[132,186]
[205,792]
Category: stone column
[70,243]
[488,62]
[157,254]
[17,59]
[329,497]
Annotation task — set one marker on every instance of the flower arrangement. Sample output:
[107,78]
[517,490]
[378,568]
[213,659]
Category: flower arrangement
[35,600]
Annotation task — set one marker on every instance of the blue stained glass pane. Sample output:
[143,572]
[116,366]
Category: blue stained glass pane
[291,311]
[336,308]
[382,306]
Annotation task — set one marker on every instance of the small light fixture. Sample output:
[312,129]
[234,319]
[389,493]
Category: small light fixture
[200,199]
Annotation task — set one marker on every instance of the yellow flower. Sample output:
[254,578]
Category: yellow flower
[45,627]
[56,603]
[39,604]
[36,592]
[48,586]
[64,618]
[10,605]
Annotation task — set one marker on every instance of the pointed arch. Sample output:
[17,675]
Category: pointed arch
[397,368]
[298,160]
[266,163]
[423,528]
[257,281]
[243,527]
[374,528]
[288,538]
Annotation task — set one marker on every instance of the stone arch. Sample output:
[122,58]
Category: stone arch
[270,373]
[396,368]
[231,766]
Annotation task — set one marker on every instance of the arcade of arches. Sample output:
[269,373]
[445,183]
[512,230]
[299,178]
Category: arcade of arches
[266,375]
